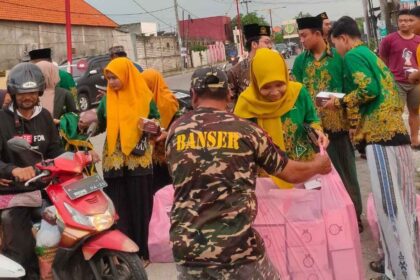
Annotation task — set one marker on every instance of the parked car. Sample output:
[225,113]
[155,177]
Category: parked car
[88,72]
[284,50]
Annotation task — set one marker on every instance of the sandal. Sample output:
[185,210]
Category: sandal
[377,266]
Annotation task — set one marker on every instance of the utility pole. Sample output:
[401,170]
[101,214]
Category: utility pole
[179,33]
[68,36]
[271,20]
[246,4]
[385,15]
[238,20]
[367,21]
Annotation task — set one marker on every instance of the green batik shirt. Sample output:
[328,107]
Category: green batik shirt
[372,101]
[213,157]
[325,74]
[296,141]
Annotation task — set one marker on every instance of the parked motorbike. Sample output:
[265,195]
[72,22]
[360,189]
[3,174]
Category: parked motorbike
[89,248]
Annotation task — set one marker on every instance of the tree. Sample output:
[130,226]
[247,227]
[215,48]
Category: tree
[278,38]
[248,19]
[302,15]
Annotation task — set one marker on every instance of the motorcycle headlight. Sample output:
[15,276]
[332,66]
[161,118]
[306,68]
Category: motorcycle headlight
[78,217]
[106,220]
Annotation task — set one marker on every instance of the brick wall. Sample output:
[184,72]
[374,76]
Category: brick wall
[158,52]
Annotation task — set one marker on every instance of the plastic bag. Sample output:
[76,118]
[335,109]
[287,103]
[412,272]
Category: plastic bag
[48,235]
[341,227]
[160,250]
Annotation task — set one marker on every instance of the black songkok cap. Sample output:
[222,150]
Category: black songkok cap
[323,15]
[255,30]
[309,23]
[40,54]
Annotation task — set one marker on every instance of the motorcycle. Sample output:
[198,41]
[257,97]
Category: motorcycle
[89,248]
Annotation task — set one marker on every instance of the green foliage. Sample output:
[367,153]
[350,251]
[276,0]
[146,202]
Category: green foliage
[198,48]
[278,38]
[302,15]
[249,19]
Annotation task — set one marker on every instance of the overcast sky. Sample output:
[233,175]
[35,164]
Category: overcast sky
[281,10]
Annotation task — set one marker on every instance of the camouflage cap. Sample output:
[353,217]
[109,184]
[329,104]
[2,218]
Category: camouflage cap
[116,49]
[209,77]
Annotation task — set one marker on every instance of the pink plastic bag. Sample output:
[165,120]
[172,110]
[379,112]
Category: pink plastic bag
[342,229]
[160,250]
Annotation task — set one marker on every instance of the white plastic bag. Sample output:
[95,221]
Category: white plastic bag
[48,235]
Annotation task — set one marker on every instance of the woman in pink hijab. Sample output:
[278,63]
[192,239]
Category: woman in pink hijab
[56,100]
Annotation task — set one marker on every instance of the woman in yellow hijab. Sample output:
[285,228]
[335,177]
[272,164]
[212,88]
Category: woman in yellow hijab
[164,98]
[127,156]
[280,106]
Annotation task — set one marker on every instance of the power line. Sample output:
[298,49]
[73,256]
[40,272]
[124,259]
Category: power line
[158,19]
[79,13]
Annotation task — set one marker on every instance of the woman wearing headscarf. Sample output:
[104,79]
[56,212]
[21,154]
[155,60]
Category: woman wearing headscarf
[127,153]
[167,105]
[281,107]
[56,100]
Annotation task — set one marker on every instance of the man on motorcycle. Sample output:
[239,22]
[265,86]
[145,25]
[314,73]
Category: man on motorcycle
[214,158]
[26,119]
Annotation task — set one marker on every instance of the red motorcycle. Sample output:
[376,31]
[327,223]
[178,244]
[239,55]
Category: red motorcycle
[89,248]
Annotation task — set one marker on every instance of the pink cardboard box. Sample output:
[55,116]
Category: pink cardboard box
[346,265]
[309,233]
[313,275]
[309,258]
[340,234]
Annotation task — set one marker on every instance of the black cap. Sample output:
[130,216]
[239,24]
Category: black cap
[309,22]
[255,30]
[40,54]
[323,15]
[209,77]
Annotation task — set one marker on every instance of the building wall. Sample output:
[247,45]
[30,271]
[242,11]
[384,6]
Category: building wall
[158,52]
[210,29]
[18,38]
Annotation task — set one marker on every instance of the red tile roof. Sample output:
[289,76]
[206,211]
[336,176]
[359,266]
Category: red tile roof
[52,11]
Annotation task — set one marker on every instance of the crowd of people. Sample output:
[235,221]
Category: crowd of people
[252,121]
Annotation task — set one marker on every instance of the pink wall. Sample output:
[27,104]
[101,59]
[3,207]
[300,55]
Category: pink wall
[211,28]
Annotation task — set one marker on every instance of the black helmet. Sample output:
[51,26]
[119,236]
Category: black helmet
[25,77]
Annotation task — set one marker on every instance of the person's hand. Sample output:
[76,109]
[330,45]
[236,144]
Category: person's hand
[95,157]
[162,137]
[5,182]
[414,78]
[56,121]
[323,140]
[23,174]
[330,104]
[101,93]
[322,163]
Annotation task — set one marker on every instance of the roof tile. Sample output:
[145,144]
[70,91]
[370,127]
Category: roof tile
[53,12]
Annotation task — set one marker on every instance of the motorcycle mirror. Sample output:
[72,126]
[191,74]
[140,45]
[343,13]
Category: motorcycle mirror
[18,145]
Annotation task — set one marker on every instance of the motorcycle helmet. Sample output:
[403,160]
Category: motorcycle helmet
[25,77]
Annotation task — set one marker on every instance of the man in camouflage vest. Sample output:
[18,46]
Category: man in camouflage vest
[256,37]
[214,157]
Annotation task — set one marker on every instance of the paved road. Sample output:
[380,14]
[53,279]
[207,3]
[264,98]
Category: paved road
[168,271]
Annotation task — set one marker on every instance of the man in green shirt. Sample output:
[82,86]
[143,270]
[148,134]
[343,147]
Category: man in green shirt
[320,68]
